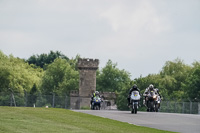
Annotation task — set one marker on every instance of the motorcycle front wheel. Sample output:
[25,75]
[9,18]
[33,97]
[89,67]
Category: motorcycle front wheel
[152,107]
[156,107]
[135,108]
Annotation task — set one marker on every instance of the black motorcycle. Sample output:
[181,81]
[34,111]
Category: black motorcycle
[153,102]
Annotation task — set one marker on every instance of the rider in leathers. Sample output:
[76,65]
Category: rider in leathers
[147,91]
[96,93]
[134,88]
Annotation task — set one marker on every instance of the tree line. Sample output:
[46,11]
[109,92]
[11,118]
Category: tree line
[56,73]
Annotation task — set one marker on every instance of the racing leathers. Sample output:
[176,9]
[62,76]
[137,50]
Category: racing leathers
[134,88]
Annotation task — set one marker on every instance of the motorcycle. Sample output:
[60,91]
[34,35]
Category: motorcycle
[96,103]
[153,103]
[134,101]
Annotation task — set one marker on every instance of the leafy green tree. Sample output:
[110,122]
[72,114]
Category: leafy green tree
[74,62]
[169,81]
[192,85]
[44,59]
[59,78]
[144,82]
[174,75]
[122,99]
[17,75]
[4,72]
[110,78]
[32,96]
[23,76]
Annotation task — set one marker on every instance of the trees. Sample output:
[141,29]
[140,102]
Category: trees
[122,99]
[174,75]
[59,75]
[110,78]
[59,78]
[4,72]
[192,85]
[44,59]
[144,82]
[17,75]
[32,97]
[170,81]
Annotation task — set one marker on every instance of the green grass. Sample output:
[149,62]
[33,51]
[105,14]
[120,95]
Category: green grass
[34,120]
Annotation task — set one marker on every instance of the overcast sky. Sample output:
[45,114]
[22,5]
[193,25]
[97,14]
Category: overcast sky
[138,35]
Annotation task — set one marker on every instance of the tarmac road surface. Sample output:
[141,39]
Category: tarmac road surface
[184,123]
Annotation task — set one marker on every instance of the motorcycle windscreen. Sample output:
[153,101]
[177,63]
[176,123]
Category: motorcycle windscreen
[153,95]
[135,95]
[97,99]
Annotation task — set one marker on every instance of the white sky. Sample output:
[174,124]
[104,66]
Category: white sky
[138,35]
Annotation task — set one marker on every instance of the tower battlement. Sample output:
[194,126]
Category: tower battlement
[88,63]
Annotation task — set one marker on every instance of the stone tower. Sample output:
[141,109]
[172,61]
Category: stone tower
[87,76]
[87,85]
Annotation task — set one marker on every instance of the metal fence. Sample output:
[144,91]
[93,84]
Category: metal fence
[38,100]
[180,107]
[27,100]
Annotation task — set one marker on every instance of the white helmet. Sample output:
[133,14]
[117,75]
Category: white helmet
[151,86]
[96,93]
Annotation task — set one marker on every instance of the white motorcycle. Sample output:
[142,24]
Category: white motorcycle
[134,101]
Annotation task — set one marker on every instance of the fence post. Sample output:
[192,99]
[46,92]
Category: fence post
[198,107]
[26,99]
[190,107]
[66,102]
[175,107]
[11,99]
[53,100]
[168,106]
[183,107]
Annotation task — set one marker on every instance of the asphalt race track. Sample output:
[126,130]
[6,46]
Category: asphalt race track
[184,123]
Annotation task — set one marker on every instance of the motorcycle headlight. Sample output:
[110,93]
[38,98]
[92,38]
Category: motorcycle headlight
[154,96]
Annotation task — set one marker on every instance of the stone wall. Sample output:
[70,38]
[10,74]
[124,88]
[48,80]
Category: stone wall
[77,102]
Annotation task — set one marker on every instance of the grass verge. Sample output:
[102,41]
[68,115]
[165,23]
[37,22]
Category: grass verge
[31,120]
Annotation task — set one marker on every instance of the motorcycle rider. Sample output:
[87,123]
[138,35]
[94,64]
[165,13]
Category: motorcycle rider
[96,93]
[147,91]
[134,88]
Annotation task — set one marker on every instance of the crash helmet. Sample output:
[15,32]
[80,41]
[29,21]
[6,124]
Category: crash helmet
[134,86]
[96,93]
[151,87]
